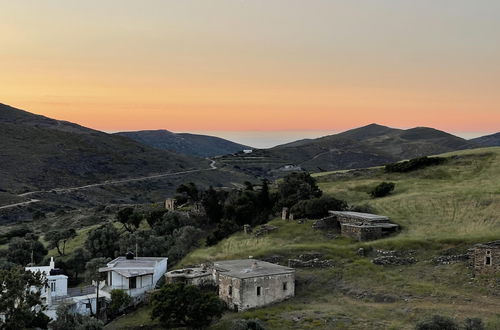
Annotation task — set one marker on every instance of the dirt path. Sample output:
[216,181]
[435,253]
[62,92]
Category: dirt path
[106,183]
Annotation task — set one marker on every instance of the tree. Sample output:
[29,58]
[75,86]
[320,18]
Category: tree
[68,320]
[93,276]
[264,198]
[56,237]
[437,322]
[170,222]
[183,241]
[103,241]
[119,301]
[144,243]
[317,207]
[130,219]
[383,189]
[181,305]
[23,251]
[213,205]
[20,301]
[155,216]
[76,262]
[187,193]
[297,186]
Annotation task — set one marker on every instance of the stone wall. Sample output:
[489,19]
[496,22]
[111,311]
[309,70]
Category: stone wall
[328,223]
[242,294]
[361,233]
[480,255]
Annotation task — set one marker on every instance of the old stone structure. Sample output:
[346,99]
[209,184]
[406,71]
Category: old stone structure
[192,276]
[284,213]
[170,204]
[486,258]
[249,283]
[359,226]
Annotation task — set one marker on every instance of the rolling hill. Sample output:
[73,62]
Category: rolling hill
[185,143]
[37,152]
[492,140]
[357,148]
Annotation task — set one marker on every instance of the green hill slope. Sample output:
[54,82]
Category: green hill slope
[443,210]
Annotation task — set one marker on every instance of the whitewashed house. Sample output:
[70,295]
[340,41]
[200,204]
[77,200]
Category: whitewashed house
[81,300]
[135,275]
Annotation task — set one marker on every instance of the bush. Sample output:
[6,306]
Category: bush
[119,301]
[473,324]
[414,164]
[383,189]
[181,305]
[317,207]
[437,322]
[243,324]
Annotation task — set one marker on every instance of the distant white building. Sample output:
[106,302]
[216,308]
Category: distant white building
[81,300]
[247,151]
[135,275]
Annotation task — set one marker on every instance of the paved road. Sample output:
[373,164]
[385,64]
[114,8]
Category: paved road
[106,183]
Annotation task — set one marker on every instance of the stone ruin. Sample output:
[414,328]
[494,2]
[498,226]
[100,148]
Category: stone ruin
[264,230]
[310,260]
[170,204]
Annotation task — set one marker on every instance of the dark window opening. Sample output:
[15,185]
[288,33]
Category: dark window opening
[230,290]
[258,291]
[132,283]
[285,286]
[488,261]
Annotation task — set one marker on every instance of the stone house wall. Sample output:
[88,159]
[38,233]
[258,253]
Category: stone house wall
[361,233]
[242,294]
[486,260]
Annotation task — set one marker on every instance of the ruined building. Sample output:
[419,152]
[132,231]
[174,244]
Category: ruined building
[359,226]
[243,284]
[249,283]
[486,258]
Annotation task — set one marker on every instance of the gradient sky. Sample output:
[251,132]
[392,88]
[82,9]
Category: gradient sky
[220,65]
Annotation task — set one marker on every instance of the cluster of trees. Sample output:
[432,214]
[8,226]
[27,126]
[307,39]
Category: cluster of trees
[22,251]
[414,164]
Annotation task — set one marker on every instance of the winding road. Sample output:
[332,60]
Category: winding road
[105,183]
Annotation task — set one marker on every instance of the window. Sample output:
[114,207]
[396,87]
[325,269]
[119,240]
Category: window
[258,291]
[132,283]
[487,261]
[52,286]
[285,286]
[230,290]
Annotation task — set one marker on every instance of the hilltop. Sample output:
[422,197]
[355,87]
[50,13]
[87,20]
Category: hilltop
[488,140]
[185,143]
[366,146]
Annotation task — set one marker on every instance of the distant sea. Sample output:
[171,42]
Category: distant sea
[268,139]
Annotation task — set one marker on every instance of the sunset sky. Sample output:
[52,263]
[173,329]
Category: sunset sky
[237,65]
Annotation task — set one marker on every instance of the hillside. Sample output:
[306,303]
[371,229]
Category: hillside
[488,140]
[42,153]
[185,143]
[357,148]
[443,210]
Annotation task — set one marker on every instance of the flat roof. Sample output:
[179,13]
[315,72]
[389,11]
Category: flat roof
[138,265]
[247,268]
[370,225]
[189,272]
[361,216]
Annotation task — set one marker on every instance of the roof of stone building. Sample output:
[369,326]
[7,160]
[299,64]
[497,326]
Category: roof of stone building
[189,272]
[247,268]
[361,216]
[370,225]
[133,267]
[492,244]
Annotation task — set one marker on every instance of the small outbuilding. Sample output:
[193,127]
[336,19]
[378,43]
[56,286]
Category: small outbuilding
[249,283]
[486,258]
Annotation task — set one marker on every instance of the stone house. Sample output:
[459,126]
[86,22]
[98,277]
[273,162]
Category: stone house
[135,275]
[486,258]
[192,276]
[357,225]
[249,283]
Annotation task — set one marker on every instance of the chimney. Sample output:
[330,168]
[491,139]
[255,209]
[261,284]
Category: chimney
[52,264]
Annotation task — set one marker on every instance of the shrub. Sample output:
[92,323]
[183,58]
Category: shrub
[119,301]
[473,324]
[181,305]
[437,322]
[414,164]
[382,189]
[317,207]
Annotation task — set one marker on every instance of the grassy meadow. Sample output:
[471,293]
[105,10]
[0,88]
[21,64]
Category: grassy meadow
[442,210]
